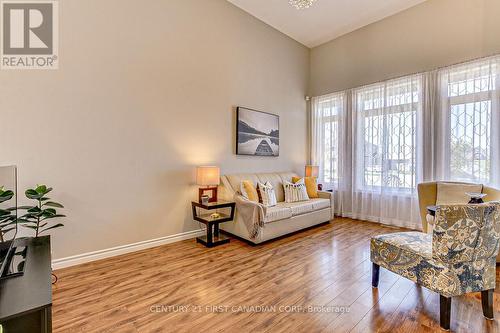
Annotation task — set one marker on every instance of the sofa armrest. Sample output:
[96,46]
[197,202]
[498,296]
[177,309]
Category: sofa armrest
[329,196]
[239,199]
[492,193]
[427,195]
[251,213]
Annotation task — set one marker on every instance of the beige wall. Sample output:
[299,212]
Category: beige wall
[433,34]
[144,93]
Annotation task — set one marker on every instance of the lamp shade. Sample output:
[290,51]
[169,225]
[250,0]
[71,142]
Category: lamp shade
[207,175]
[312,171]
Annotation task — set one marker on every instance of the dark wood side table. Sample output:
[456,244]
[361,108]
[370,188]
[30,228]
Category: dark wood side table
[212,238]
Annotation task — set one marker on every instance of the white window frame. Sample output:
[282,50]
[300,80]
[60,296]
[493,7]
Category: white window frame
[470,98]
[360,173]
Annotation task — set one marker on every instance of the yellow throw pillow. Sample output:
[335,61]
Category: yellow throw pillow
[249,191]
[311,186]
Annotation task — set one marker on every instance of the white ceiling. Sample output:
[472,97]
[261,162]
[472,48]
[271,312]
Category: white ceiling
[325,20]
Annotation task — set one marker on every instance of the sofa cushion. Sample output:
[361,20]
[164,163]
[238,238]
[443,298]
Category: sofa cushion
[248,190]
[454,193]
[409,254]
[235,180]
[267,194]
[284,210]
[300,207]
[320,203]
[311,185]
[275,180]
[276,213]
[295,192]
[411,243]
[287,176]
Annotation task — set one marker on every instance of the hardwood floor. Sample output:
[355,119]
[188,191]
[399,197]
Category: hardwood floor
[185,287]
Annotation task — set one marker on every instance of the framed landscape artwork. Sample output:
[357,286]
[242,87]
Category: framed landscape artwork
[257,133]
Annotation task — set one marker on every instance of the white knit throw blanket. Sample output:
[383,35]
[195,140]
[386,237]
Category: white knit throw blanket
[252,214]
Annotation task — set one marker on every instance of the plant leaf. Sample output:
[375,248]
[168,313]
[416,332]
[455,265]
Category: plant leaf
[33,194]
[41,189]
[25,220]
[53,227]
[53,204]
[25,207]
[31,227]
[4,212]
[6,195]
[7,220]
[12,220]
[49,211]
[7,230]
[52,217]
[34,210]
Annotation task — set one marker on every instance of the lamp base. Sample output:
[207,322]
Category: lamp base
[212,195]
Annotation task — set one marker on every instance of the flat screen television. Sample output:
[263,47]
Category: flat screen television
[11,260]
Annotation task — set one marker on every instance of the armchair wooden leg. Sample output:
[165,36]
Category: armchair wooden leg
[444,312]
[487,302]
[375,275]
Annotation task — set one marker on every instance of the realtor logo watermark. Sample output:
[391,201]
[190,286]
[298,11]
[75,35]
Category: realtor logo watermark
[29,35]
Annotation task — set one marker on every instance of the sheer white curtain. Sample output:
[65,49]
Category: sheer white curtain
[328,136]
[387,164]
[468,122]
[331,137]
[374,144]
[365,143]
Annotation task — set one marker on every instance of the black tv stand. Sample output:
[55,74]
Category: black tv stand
[26,299]
[16,261]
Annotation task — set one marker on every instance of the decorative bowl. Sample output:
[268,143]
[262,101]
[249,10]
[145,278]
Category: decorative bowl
[476,197]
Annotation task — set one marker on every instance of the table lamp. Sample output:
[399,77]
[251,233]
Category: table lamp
[313,171]
[208,176]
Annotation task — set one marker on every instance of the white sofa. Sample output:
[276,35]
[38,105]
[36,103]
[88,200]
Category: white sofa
[282,219]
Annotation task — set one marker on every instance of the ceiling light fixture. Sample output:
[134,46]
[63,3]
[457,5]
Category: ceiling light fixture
[301,4]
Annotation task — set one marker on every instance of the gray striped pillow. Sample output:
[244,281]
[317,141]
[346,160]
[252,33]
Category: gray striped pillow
[267,194]
[295,192]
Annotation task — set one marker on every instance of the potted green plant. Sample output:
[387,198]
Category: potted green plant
[8,219]
[39,216]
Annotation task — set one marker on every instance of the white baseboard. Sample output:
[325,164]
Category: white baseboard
[123,249]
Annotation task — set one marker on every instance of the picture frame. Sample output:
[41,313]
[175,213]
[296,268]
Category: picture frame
[257,132]
[207,193]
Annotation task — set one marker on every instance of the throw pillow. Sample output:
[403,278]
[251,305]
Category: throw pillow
[267,194]
[249,191]
[311,186]
[295,192]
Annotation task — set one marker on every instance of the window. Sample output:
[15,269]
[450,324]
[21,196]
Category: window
[375,143]
[386,134]
[470,101]
[328,111]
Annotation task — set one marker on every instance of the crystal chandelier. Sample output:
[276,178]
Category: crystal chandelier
[301,4]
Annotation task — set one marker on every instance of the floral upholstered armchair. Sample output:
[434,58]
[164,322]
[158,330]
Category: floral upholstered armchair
[459,257]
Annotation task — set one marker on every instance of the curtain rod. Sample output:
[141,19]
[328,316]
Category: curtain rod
[414,73]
